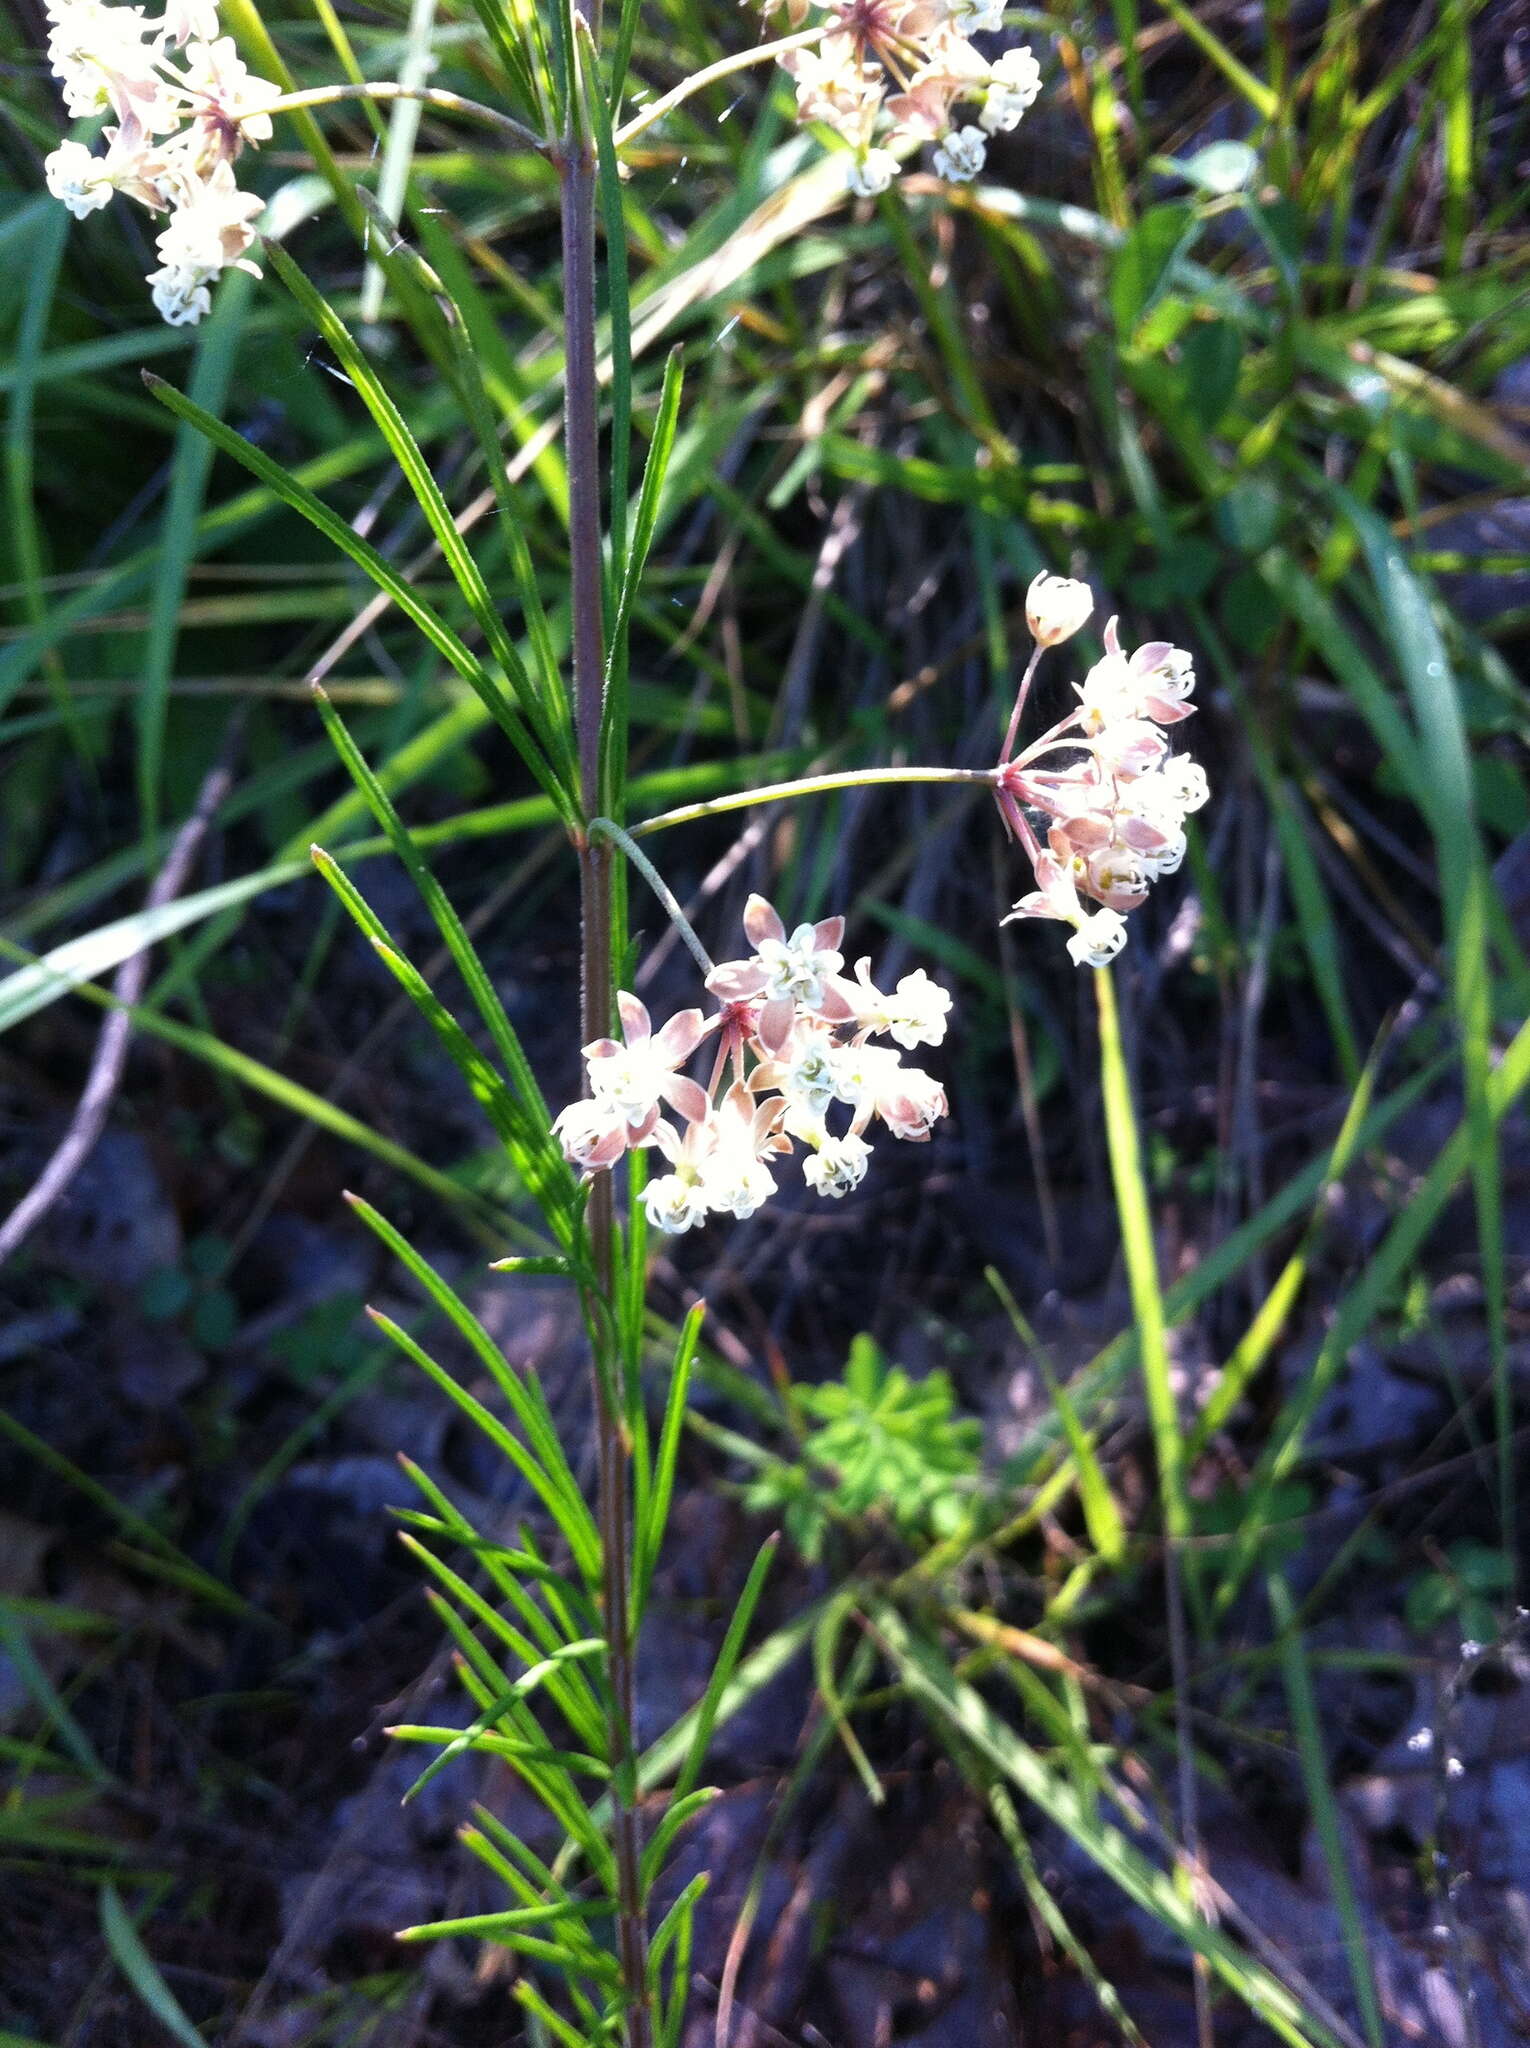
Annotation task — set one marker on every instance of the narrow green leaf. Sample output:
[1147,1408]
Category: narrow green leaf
[447,643]
[137,1965]
[652,1491]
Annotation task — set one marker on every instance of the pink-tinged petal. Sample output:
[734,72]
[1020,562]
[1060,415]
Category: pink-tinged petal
[1111,638]
[775,1025]
[735,981]
[1167,710]
[640,1134]
[834,1009]
[668,1141]
[687,1096]
[768,1074]
[607,1150]
[637,1026]
[761,921]
[1151,656]
[828,934]
[739,1102]
[680,1036]
[1089,829]
[602,1049]
[766,1121]
[1141,836]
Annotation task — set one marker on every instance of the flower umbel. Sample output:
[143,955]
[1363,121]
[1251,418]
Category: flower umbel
[891,70]
[793,1063]
[1112,816]
[184,107]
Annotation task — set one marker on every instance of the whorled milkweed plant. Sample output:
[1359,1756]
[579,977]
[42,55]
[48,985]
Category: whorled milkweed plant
[796,1059]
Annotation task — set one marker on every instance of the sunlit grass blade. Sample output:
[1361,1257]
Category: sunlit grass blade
[1254,1347]
[1102,1515]
[962,1712]
[1141,1256]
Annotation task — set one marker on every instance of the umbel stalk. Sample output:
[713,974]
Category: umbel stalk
[576,173]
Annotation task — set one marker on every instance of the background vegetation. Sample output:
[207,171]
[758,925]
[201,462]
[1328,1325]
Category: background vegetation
[1236,325]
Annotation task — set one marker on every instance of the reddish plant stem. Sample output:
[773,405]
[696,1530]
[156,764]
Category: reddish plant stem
[581,417]
[1020,696]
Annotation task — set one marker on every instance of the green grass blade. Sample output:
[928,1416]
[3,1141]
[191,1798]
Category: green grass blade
[1141,1255]
[967,1715]
[137,1965]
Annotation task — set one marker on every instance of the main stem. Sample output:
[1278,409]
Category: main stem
[581,419]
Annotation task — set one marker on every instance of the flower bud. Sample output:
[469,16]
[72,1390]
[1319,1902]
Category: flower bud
[1055,608]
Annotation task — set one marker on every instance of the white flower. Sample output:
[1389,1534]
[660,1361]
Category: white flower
[735,1182]
[798,966]
[1186,781]
[862,1073]
[871,172]
[1166,679]
[917,1011]
[223,94]
[82,181]
[838,1165]
[976,17]
[675,1202]
[1098,939]
[1016,85]
[210,227]
[914,1014]
[637,1072]
[1118,876]
[188,20]
[180,297]
[100,57]
[1108,694]
[1055,894]
[911,1103]
[808,1083]
[592,1134]
[1168,858]
[1055,608]
[961,155]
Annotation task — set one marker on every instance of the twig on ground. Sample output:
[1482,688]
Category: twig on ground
[106,1068]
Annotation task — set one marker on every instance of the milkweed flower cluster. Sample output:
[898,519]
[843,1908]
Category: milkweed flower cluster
[183,105]
[792,1063]
[1112,814]
[886,69]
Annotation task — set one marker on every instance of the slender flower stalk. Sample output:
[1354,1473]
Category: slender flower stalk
[581,413]
[385,89]
[709,75]
[1020,696]
[808,785]
[605,828]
